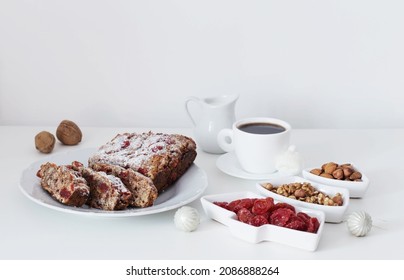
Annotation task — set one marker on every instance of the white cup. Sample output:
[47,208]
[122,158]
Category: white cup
[256,153]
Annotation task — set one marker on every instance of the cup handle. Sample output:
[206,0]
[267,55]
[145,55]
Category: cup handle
[223,136]
[189,99]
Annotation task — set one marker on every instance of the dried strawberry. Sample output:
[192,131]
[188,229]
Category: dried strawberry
[266,215]
[297,223]
[258,220]
[304,217]
[270,201]
[244,215]
[281,216]
[313,225]
[221,204]
[283,205]
[244,203]
[233,204]
[261,206]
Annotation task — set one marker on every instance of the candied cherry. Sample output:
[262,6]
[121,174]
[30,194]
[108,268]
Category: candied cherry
[125,144]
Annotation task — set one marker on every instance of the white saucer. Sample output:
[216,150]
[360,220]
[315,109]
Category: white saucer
[229,164]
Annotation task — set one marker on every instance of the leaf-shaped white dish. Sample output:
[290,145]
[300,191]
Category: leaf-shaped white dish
[268,232]
[356,189]
[333,214]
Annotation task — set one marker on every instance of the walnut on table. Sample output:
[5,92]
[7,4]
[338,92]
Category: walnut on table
[45,142]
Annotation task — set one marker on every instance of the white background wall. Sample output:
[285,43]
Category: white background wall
[325,64]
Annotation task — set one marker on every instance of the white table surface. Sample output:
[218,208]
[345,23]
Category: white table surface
[32,231]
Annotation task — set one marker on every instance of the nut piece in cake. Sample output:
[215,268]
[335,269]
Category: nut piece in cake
[143,190]
[64,184]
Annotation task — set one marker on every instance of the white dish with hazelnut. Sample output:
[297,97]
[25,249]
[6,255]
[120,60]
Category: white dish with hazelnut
[268,232]
[300,192]
[354,180]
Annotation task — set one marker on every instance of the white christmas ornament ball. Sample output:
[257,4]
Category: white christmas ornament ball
[187,218]
[359,223]
[290,162]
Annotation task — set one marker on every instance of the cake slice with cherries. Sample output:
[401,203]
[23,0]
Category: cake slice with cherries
[64,184]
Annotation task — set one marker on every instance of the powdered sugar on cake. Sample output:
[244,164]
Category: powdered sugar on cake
[132,150]
[161,157]
[115,181]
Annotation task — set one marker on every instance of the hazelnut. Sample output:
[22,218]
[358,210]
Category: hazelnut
[330,167]
[338,174]
[338,199]
[299,193]
[326,175]
[68,133]
[328,202]
[267,186]
[348,170]
[355,176]
[316,171]
[44,142]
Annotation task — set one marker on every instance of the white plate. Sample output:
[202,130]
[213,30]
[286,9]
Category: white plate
[188,188]
[333,214]
[300,239]
[356,189]
[228,163]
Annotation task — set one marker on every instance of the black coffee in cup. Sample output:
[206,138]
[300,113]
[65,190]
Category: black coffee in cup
[261,128]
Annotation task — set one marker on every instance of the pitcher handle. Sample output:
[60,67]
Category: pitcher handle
[189,99]
[223,137]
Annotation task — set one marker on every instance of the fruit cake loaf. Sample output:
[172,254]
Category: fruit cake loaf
[107,192]
[162,157]
[142,188]
[64,184]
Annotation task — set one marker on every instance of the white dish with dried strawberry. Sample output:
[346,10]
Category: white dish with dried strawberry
[298,191]
[255,218]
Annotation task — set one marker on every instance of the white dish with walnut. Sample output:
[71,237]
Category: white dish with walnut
[333,213]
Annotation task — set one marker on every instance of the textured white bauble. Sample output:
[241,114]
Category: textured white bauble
[359,223]
[187,218]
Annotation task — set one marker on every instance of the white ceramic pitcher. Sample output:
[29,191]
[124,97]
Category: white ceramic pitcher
[215,114]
